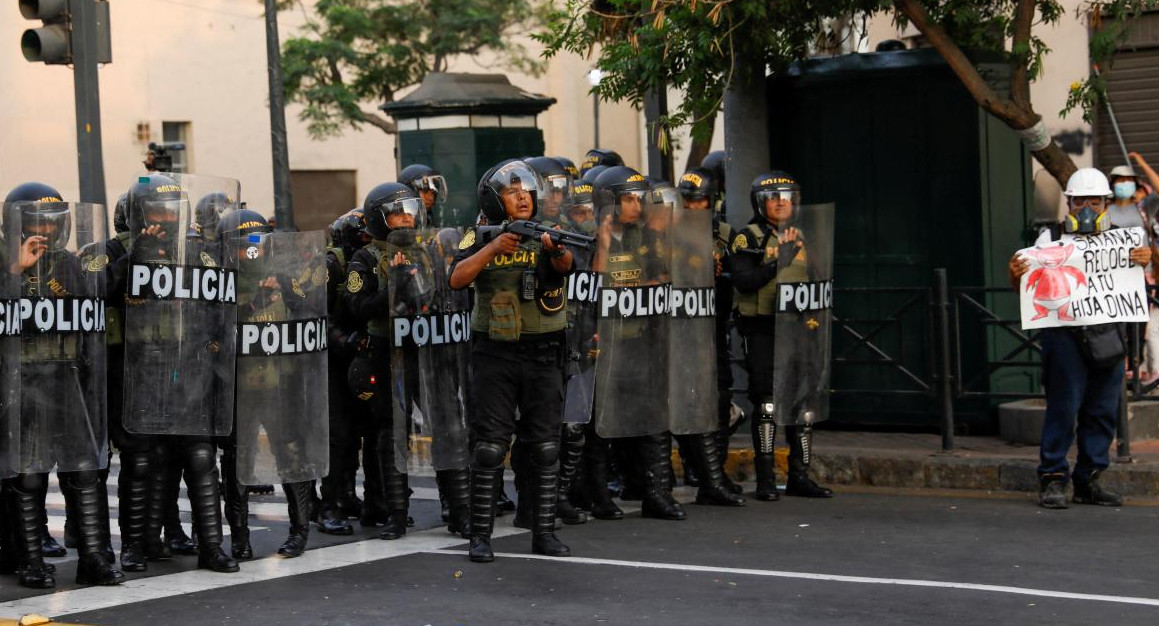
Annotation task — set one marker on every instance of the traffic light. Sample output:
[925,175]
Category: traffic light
[54,42]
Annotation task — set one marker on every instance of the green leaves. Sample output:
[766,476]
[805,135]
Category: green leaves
[354,55]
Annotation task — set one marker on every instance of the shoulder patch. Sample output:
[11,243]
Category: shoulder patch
[353,282]
[319,277]
[468,240]
[97,263]
[207,260]
[741,241]
[297,288]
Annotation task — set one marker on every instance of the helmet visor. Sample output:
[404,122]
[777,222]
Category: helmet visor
[517,176]
[50,220]
[162,212]
[779,205]
[433,182]
[557,194]
[396,212]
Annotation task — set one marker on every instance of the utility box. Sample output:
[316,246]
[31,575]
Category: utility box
[462,125]
[922,178]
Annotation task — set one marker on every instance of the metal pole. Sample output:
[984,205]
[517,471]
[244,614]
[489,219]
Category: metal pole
[283,199]
[945,391]
[1114,122]
[596,115]
[90,159]
[1124,429]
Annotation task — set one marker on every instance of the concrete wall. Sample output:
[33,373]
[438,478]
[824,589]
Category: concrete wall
[204,62]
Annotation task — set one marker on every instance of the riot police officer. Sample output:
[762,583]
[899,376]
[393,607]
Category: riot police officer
[568,166]
[517,359]
[699,189]
[61,399]
[368,297]
[599,156]
[429,185]
[769,250]
[556,196]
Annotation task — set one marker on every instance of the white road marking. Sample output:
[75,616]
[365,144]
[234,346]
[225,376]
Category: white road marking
[314,560]
[1044,593]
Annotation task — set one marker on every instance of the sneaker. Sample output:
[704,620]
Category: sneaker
[1093,493]
[1052,493]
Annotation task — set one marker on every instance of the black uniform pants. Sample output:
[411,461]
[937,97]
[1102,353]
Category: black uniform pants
[526,375]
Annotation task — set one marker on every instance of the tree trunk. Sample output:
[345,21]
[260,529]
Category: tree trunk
[700,148]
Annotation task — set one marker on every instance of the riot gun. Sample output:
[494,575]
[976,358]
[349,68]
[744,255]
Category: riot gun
[529,229]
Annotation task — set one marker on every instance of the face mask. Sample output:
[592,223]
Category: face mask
[1087,221]
[1124,190]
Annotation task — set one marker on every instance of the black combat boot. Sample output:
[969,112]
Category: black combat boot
[25,490]
[155,547]
[764,437]
[503,504]
[656,454]
[328,514]
[205,499]
[9,560]
[456,487]
[543,463]
[701,453]
[722,441]
[106,533]
[596,478]
[175,538]
[396,489]
[349,504]
[687,463]
[236,498]
[800,454]
[81,496]
[299,501]
[524,507]
[1092,492]
[571,453]
[374,511]
[133,515]
[483,482]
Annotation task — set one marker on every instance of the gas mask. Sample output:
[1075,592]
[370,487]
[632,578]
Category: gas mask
[1086,221]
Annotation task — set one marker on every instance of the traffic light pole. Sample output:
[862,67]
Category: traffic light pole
[283,198]
[90,160]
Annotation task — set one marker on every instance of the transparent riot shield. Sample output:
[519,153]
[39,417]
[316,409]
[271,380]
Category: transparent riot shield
[583,291]
[804,300]
[10,327]
[631,396]
[431,331]
[692,399]
[283,430]
[61,406]
[180,310]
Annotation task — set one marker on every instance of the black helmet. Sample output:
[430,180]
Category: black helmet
[424,178]
[773,183]
[389,199]
[568,166]
[156,199]
[581,198]
[497,179]
[614,183]
[598,156]
[715,162]
[121,214]
[348,232]
[557,183]
[208,212]
[698,183]
[591,175]
[40,211]
[239,224]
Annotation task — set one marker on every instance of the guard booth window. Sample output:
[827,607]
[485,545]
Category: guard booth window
[178,132]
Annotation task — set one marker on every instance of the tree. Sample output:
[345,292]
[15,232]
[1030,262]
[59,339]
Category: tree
[354,55]
[696,46]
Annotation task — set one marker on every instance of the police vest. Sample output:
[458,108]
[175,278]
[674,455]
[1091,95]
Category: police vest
[763,301]
[258,373]
[381,326]
[500,311]
[38,347]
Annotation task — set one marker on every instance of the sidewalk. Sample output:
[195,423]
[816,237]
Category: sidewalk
[916,461]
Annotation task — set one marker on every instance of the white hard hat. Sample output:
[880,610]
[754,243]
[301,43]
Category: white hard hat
[1125,171]
[1087,182]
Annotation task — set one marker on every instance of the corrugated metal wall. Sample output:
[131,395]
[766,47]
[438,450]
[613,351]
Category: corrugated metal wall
[1133,88]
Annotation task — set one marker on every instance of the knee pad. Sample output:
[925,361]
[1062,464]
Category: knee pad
[544,453]
[30,483]
[135,463]
[78,480]
[489,455]
[573,432]
[201,458]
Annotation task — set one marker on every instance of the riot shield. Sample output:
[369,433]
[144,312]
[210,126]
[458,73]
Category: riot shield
[583,291]
[692,399]
[180,313]
[10,326]
[61,353]
[804,300]
[283,430]
[631,396]
[431,331]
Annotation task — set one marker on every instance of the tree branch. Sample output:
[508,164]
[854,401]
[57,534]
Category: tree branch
[374,119]
[1020,49]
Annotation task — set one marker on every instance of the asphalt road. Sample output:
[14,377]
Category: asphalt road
[857,559]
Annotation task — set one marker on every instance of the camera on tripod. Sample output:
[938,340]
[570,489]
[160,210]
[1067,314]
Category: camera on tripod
[162,160]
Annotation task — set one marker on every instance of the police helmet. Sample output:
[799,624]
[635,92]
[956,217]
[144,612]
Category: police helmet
[237,225]
[774,185]
[557,183]
[121,214]
[208,212]
[156,200]
[616,182]
[390,199]
[348,232]
[498,180]
[581,210]
[569,166]
[591,175]
[39,210]
[599,156]
[424,178]
[698,183]
[715,162]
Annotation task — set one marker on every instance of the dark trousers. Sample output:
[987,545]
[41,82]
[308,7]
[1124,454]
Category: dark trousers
[525,375]
[1080,400]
